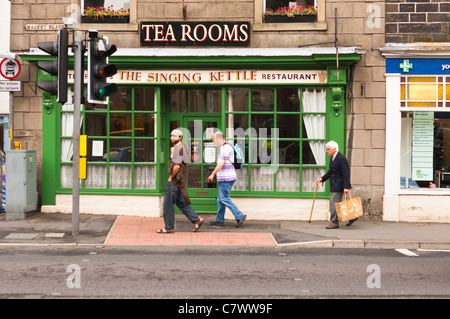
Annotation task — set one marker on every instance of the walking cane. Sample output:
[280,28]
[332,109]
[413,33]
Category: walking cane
[315,192]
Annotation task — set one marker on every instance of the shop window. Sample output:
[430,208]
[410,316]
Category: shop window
[425,150]
[279,125]
[122,141]
[425,92]
[105,11]
[286,11]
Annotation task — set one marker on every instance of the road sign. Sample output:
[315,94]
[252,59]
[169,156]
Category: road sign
[10,68]
[9,86]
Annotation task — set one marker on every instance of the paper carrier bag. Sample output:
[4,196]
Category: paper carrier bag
[349,208]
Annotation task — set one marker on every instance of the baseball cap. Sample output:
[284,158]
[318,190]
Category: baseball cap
[176,133]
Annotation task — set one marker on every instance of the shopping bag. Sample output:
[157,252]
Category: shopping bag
[349,208]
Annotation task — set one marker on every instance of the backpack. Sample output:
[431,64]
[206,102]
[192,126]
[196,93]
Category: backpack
[239,159]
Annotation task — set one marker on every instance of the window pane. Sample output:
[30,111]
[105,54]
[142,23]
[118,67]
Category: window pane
[66,149]
[177,101]
[262,178]
[289,152]
[262,100]
[214,101]
[241,183]
[144,151]
[194,176]
[144,98]
[95,124]
[144,125]
[309,177]
[288,126]
[313,152]
[237,100]
[96,150]
[288,100]
[145,177]
[237,121]
[120,124]
[422,92]
[314,126]
[275,4]
[120,176]
[95,176]
[121,100]
[262,121]
[207,170]
[120,150]
[66,176]
[288,179]
[196,102]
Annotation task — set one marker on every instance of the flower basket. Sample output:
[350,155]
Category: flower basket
[291,14]
[297,18]
[105,15]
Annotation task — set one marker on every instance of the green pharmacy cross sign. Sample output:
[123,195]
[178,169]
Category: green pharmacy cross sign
[406,66]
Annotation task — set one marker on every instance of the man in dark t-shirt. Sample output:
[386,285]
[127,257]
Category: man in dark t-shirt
[175,192]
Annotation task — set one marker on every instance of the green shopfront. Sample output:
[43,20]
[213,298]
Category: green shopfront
[280,105]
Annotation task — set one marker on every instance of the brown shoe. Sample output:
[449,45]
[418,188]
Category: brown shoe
[331,227]
[350,222]
[198,224]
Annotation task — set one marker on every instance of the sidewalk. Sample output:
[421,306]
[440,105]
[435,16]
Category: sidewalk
[56,229]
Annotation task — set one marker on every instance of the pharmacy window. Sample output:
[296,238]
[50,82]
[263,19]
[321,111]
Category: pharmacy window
[280,11]
[425,150]
[105,11]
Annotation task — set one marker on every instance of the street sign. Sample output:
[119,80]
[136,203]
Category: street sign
[9,86]
[10,68]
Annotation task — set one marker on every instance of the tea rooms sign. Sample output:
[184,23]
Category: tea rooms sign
[195,33]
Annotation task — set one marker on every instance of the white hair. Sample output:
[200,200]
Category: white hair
[333,145]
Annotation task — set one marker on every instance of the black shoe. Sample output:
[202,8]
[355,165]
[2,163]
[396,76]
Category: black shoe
[241,221]
[214,223]
[350,222]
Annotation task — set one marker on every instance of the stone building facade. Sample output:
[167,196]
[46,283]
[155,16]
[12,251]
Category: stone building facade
[360,24]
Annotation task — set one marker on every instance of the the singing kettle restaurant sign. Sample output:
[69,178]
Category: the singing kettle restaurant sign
[215,76]
[195,33]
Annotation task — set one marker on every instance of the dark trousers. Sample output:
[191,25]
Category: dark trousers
[172,196]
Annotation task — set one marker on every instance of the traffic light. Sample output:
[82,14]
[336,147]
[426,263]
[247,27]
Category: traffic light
[99,70]
[56,67]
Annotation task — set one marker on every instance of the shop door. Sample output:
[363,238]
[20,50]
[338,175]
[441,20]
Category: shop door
[203,153]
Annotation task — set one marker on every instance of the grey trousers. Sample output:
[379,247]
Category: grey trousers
[335,198]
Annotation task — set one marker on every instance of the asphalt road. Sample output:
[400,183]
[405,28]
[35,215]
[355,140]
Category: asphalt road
[177,272]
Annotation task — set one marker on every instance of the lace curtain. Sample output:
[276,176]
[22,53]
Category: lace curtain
[314,100]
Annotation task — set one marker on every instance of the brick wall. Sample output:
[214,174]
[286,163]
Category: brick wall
[410,21]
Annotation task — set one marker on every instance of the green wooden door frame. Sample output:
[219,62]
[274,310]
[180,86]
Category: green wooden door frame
[203,199]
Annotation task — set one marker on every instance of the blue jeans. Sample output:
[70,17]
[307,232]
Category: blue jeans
[173,195]
[224,200]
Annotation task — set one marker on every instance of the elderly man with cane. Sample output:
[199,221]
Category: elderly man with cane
[339,176]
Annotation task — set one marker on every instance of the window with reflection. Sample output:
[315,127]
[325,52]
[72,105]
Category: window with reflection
[283,126]
[122,141]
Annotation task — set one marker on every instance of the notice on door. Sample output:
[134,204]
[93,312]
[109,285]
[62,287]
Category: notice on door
[422,148]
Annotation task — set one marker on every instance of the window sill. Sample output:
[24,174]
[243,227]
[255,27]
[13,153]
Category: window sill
[425,191]
[108,26]
[268,27]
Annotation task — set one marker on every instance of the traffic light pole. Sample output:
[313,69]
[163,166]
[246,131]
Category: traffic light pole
[78,52]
